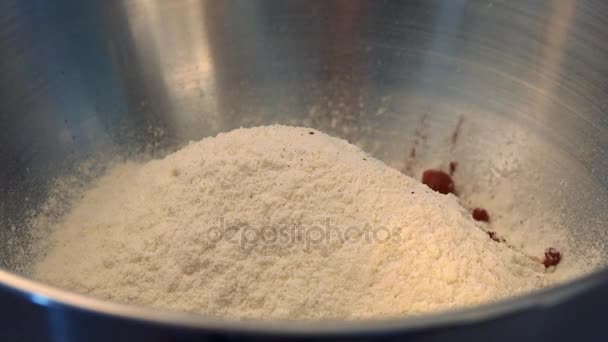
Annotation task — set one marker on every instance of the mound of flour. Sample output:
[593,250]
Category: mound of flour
[278,222]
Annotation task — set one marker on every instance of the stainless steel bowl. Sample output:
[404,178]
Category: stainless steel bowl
[82,79]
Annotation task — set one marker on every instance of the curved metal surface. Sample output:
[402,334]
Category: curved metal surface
[38,312]
[88,78]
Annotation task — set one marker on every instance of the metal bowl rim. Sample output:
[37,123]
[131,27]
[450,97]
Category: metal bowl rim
[42,294]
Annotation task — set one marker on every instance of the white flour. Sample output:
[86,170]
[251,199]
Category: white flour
[305,220]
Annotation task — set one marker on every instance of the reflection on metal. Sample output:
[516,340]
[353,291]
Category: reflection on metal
[175,40]
[557,30]
[40,299]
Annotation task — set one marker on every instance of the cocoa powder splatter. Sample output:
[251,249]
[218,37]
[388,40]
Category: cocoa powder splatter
[457,130]
[495,237]
[420,139]
[438,181]
[552,257]
[480,214]
[453,166]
